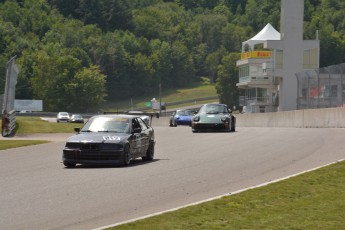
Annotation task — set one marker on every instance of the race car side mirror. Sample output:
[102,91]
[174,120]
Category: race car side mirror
[137,130]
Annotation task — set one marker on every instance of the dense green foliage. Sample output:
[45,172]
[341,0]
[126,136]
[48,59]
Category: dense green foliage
[76,54]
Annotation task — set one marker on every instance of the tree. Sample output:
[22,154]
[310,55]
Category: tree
[161,21]
[210,27]
[60,80]
[139,43]
[227,79]
[87,90]
[109,15]
[232,37]
[213,60]
[162,63]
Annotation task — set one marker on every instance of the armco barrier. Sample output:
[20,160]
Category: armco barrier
[8,123]
[310,118]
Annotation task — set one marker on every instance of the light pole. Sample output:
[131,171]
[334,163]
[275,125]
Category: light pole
[160,98]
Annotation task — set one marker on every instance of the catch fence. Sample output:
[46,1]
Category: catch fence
[321,88]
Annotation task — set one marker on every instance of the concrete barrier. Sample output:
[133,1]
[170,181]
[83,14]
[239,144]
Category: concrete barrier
[311,118]
[161,121]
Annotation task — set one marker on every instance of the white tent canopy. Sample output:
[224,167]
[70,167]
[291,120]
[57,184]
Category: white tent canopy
[267,33]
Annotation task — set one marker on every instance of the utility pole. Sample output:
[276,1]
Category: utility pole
[160,98]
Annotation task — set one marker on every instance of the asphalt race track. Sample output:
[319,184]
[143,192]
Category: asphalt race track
[37,192]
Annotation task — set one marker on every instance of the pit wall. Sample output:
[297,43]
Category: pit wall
[311,118]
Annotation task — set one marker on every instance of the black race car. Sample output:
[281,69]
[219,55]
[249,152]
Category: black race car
[214,117]
[110,139]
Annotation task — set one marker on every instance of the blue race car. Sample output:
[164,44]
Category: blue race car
[181,117]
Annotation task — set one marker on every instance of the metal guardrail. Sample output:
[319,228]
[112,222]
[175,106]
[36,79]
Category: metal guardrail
[8,113]
[8,123]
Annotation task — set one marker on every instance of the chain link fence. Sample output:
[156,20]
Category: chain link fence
[321,88]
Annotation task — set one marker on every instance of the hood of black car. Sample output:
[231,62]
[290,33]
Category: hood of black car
[212,117]
[100,137]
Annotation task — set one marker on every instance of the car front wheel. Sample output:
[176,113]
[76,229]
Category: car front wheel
[70,165]
[126,155]
[233,125]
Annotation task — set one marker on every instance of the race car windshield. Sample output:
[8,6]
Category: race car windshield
[213,109]
[107,124]
[184,113]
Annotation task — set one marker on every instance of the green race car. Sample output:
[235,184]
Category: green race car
[214,117]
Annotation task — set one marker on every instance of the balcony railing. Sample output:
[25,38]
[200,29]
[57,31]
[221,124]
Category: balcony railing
[245,101]
[256,54]
[261,79]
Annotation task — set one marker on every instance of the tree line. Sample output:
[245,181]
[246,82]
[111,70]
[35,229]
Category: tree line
[77,54]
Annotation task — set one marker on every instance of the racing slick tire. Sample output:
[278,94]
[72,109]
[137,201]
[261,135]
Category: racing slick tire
[126,155]
[150,152]
[233,125]
[70,165]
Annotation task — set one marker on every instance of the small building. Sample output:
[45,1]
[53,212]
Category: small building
[270,60]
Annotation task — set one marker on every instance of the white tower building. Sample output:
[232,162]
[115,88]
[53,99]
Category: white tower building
[270,60]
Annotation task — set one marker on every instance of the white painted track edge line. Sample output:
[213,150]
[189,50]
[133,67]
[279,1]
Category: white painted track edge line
[216,197]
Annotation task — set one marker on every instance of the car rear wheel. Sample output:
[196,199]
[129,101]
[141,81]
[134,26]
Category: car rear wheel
[70,165]
[150,152]
[126,156]
[233,125]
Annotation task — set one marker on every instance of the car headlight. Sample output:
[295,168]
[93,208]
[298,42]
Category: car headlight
[196,118]
[224,119]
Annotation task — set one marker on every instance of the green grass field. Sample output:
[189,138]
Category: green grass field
[25,125]
[202,90]
[9,144]
[314,200]
[37,125]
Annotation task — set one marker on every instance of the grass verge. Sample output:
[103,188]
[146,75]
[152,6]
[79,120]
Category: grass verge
[314,200]
[201,90]
[27,125]
[8,144]
[37,125]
